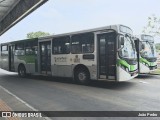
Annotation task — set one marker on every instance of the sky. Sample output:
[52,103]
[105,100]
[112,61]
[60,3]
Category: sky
[61,16]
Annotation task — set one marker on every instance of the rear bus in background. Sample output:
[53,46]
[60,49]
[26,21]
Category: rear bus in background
[106,53]
[146,53]
[18,55]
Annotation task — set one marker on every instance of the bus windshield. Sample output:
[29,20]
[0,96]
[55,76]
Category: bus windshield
[128,50]
[149,50]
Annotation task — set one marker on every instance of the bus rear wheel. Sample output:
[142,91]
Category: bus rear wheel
[22,71]
[82,76]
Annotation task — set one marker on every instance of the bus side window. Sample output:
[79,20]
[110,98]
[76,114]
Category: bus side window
[31,48]
[87,48]
[82,43]
[19,49]
[61,45]
[76,47]
[4,50]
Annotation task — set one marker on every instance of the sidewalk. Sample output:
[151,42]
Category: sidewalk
[9,102]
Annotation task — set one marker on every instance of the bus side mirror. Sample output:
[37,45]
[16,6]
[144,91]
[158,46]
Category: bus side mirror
[122,41]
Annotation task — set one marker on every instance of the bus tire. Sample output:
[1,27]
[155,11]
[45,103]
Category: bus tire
[22,71]
[82,76]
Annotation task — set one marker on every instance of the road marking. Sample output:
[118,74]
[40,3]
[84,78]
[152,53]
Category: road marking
[34,109]
[144,82]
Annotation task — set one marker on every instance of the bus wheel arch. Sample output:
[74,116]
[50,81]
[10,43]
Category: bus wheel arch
[22,70]
[81,74]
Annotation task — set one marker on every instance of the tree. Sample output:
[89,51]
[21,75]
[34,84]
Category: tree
[153,26]
[37,34]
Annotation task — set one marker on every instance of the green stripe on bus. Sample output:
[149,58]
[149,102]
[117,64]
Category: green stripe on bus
[153,64]
[28,58]
[123,63]
[143,60]
[132,68]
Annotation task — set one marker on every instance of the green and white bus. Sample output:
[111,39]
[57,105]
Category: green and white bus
[146,53]
[106,53]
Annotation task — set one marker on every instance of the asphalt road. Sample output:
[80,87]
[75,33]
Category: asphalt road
[60,94]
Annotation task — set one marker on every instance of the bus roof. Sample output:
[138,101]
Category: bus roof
[24,40]
[145,37]
[114,27]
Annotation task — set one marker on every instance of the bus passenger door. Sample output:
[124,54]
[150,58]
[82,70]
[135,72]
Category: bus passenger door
[107,55]
[11,58]
[45,58]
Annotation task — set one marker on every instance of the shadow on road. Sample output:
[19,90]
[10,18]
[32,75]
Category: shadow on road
[98,84]
[112,85]
[146,76]
[94,83]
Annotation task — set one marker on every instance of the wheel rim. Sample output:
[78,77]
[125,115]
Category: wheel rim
[82,76]
[22,72]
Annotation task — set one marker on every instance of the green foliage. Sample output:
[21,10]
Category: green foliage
[36,34]
[153,26]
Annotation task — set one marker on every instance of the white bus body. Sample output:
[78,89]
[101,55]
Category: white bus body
[106,53]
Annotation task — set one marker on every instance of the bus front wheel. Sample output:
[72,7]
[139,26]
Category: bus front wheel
[82,76]
[22,71]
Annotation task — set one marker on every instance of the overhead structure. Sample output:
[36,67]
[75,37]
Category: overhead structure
[12,11]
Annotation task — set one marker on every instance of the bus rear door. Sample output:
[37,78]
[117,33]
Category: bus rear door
[11,58]
[45,57]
